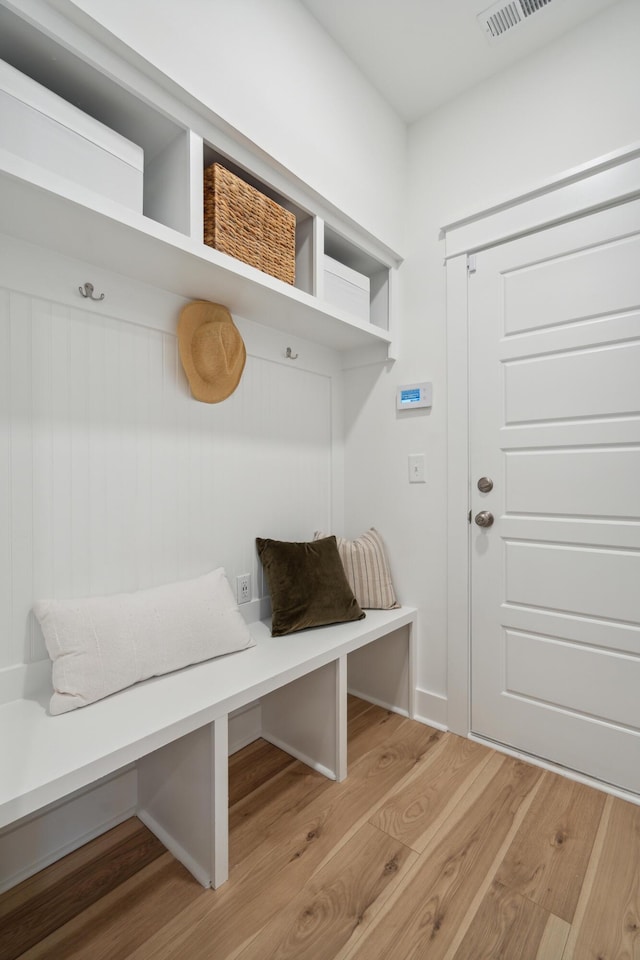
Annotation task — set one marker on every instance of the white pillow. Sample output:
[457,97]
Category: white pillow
[102,644]
[367,568]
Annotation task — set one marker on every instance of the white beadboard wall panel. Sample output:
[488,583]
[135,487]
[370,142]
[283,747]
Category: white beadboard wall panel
[60,477]
[7,652]
[43,559]
[112,478]
[21,472]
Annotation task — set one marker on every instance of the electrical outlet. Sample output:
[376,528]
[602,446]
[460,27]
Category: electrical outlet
[243,588]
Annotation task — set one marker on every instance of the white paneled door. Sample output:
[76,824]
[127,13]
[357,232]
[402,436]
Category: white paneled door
[555,426]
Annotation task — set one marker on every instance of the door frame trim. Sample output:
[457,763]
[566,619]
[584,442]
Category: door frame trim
[614,178]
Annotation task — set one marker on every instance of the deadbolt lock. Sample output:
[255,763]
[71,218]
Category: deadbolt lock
[485,485]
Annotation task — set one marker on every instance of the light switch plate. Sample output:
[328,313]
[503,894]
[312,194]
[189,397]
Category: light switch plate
[417,472]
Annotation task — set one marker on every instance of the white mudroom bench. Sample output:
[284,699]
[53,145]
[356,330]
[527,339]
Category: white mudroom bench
[174,728]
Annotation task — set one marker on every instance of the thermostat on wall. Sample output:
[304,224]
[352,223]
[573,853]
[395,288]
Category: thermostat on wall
[414,395]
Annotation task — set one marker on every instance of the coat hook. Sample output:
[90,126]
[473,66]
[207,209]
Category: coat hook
[291,356]
[87,292]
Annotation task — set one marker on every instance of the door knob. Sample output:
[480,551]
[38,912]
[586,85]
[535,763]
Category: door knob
[484,518]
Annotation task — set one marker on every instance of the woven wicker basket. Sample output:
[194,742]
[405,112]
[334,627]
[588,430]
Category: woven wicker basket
[241,221]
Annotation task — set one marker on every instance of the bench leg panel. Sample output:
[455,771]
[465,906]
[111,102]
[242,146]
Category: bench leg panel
[183,799]
[220,801]
[307,718]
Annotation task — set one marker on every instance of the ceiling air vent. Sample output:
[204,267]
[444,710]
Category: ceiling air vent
[502,17]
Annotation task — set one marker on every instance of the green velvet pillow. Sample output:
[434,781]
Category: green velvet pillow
[307,584]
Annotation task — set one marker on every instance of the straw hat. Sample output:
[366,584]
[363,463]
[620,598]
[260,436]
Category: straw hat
[211,349]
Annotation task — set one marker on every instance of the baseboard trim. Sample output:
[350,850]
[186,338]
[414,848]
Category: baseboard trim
[299,755]
[394,708]
[431,708]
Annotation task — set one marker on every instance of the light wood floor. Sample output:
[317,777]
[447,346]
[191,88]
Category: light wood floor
[434,847]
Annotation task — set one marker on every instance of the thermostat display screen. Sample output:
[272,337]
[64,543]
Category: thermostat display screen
[413,395]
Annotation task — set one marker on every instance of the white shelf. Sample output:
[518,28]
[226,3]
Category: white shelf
[163,246]
[52,212]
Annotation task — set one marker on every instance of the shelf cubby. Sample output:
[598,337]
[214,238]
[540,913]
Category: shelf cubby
[356,258]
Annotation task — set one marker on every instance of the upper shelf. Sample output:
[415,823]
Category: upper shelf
[45,209]
[160,242]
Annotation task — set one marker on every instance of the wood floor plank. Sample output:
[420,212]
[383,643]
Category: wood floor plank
[48,905]
[369,728]
[289,854]
[607,922]
[548,859]
[62,870]
[554,939]
[412,811]
[427,918]
[113,927]
[506,925]
[253,766]
[284,796]
[330,910]
[356,706]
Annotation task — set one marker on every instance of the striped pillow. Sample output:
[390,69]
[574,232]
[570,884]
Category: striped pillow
[367,569]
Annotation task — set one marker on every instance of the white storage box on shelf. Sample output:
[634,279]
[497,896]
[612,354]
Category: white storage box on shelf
[41,127]
[346,288]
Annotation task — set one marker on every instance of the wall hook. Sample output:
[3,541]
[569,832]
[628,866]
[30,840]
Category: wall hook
[87,292]
[291,356]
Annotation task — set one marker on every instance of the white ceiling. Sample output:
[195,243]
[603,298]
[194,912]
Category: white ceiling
[421,53]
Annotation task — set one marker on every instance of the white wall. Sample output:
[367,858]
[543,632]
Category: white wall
[267,68]
[574,101]
[112,478]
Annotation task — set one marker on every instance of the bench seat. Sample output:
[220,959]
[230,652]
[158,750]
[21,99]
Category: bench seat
[174,728]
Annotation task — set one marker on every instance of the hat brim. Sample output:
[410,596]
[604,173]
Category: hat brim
[192,316]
